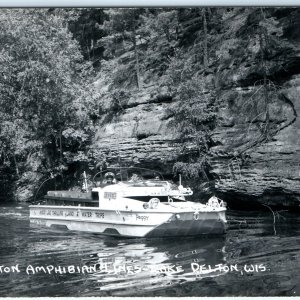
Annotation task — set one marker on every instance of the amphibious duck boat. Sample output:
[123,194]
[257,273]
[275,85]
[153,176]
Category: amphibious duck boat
[123,203]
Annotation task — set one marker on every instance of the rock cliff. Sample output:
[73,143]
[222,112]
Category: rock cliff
[249,166]
[269,172]
[140,133]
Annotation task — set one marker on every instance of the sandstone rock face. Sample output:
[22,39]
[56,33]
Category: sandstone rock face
[248,170]
[270,174]
[140,135]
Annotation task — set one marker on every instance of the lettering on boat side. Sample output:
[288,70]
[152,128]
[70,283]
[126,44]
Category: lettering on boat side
[57,213]
[142,218]
[99,215]
[69,213]
[87,214]
[48,212]
[110,195]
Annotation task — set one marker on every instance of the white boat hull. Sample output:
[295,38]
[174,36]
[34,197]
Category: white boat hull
[130,223]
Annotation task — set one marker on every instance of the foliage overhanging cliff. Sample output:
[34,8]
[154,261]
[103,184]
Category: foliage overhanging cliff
[211,93]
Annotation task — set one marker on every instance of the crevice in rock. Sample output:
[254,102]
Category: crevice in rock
[157,100]
[142,136]
[283,74]
[291,104]
[275,199]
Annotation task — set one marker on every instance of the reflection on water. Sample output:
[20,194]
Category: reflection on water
[248,261]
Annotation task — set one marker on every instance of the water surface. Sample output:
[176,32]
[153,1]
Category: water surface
[255,258]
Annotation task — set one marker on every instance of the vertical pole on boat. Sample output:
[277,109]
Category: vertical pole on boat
[85,181]
[179,179]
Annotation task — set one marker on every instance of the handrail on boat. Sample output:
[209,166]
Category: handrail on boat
[51,177]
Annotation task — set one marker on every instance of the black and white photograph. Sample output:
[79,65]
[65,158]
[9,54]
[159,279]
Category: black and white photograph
[150,151]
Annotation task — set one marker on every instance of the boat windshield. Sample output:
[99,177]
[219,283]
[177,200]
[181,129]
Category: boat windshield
[132,175]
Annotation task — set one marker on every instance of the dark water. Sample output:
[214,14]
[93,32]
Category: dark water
[254,258]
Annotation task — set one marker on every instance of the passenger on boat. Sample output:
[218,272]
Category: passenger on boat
[135,178]
[109,178]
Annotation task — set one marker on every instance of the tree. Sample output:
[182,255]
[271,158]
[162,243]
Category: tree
[42,72]
[85,29]
[123,38]
[160,29]
[260,49]
[194,115]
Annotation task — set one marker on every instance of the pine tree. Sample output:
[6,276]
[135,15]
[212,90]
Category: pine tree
[122,38]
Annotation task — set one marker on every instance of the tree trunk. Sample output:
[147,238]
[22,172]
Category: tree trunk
[60,145]
[16,165]
[267,108]
[205,51]
[137,63]
[263,46]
